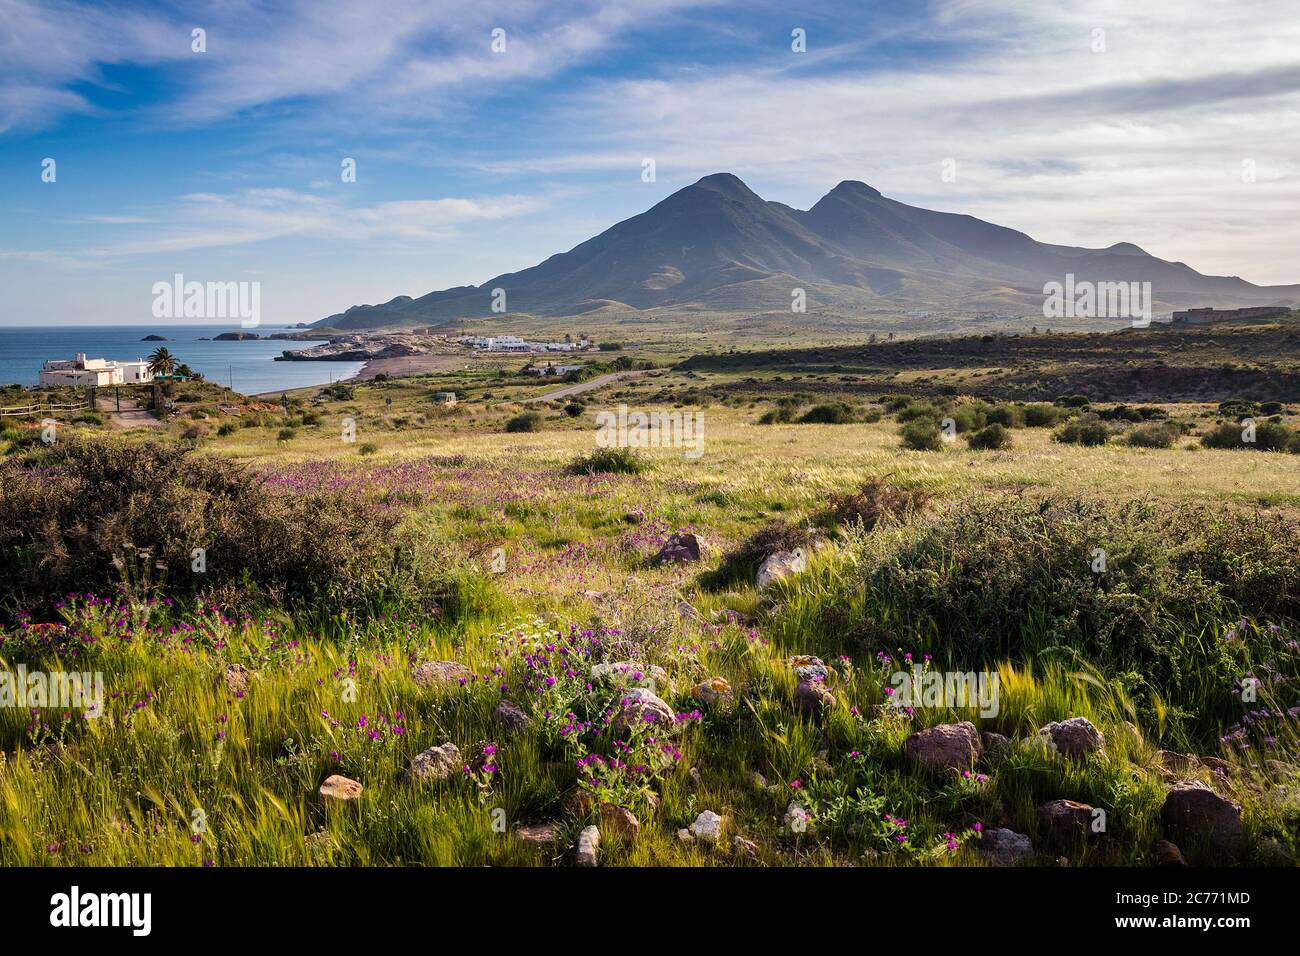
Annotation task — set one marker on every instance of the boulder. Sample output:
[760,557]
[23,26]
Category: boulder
[340,789]
[434,764]
[538,834]
[641,706]
[748,847]
[807,667]
[1195,815]
[620,820]
[681,548]
[440,673]
[1003,847]
[707,827]
[779,566]
[712,691]
[944,747]
[684,835]
[588,847]
[1066,820]
[1168,854]
[1075,737]
[511,717]
[812,697]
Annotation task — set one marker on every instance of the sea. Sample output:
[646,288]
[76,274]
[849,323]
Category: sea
[247,367]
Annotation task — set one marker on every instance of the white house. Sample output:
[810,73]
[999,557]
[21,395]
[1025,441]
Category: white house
[82,371]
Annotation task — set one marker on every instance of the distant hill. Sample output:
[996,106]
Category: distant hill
[718,245]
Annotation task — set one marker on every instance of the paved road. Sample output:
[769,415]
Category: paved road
[587,386]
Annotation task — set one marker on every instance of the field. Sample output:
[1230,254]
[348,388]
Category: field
[382,572]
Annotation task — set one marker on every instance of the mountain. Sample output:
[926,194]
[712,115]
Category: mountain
[718,245]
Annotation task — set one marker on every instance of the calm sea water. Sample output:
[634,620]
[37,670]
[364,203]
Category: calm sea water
[250,365]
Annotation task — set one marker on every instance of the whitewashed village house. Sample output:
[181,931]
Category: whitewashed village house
[82,371]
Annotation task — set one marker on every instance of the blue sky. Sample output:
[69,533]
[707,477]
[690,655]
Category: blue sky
[1175,126]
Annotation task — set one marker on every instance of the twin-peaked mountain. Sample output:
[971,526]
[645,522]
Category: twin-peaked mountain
[716,245]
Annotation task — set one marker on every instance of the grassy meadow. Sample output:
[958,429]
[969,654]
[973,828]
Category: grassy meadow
[1113,561]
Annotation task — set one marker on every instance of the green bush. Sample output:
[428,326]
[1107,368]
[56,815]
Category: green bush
[525,422]
[573,409]
[1008,416]
[921,435]
[607,461]
[1084,430]
[831,413]
[873,502]
[1043,416]
[989,438]
[1152,436]
[1269,436]
[87,516]
[782,414]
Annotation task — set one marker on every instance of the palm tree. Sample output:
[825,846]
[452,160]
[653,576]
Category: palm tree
[162,362]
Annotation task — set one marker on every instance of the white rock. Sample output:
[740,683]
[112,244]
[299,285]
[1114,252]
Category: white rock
[781,565]
[707,827]
[588,845]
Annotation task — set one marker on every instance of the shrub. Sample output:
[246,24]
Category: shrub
[1043,416]
[921,435]
[1269,436]
[607,461]
[285,434]
[782,414]
[831,413]
[525,422]
[573,409]
[918,411]
[78,515]
[1152,436]
[967,418]
[367,448]
[875,501]
[1008,416]
[89,418]
[1084,430]
[989,438]
[1074,401]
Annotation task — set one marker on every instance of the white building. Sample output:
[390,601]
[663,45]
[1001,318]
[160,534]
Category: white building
[82,371]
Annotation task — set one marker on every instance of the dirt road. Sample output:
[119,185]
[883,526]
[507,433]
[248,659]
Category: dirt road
[587,386]
[131,415]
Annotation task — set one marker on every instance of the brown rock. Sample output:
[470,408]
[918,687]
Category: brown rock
[1167,854]
[440,673]
[1075,737]
[995,745]
[712,691]
[1196,816]
[1066,820]
[538,834]
[812,697]
[434,764]
[511,717]
[1002,847]
[619,820]
[340,789]
[642,706]
[944,747]
[237,677]
[681,548]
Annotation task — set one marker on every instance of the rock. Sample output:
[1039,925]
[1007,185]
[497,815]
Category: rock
[538,834]
[1195,815]
[318,842]
[712,691]
[588,847]
[1003,847]
[652,800]
[237,677]
[434,764]
[707,827]
[797,819]
[995,745]
[340,789]
[1075,737]
[779,566]
[696,780]
[685,836]
[433,673]
[812,697]
[620,820]
[807,667]
[1066,820]
[511,717]
[1167,854]
[1179,763]
[944,747]
[681,548]
[747,847]
[642,706]
[686,612]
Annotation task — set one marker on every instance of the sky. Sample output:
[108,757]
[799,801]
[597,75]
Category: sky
[1170,124]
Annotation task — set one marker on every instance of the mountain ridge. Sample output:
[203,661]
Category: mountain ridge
[716,244]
